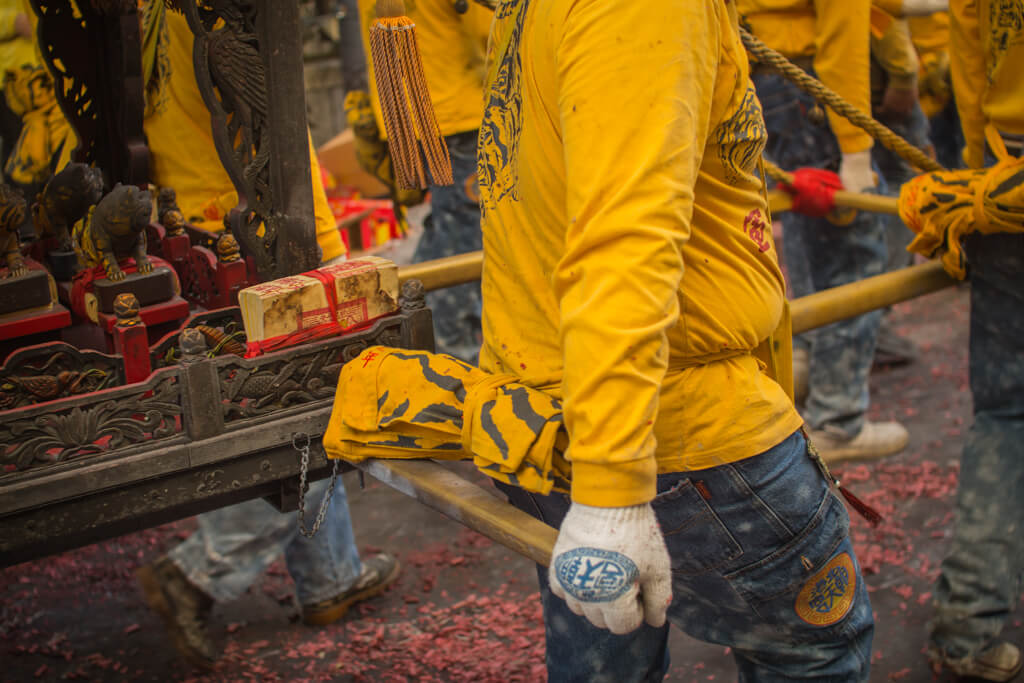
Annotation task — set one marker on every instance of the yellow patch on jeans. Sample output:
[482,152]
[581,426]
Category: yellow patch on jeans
[828,595]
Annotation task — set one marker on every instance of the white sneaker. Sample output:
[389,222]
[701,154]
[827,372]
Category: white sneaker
[875,440]
[801,370]
[999,663]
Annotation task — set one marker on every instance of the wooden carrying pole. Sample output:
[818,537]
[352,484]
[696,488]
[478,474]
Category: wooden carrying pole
[482,510]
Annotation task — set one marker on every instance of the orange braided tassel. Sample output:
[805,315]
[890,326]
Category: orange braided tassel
[413,133]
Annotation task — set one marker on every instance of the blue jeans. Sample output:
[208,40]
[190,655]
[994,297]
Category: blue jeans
[453,227]
[750,542]
[233,546]
[980,583]
[820,255]
[894,172]
[947,136]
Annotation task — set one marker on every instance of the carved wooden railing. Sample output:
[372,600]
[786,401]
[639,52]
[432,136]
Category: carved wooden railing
[87,456]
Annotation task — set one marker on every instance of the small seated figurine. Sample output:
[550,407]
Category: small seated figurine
[168,212]
[65,200]
[12,215]
[116,229]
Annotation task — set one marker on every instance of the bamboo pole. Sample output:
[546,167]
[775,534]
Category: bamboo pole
[847,301]
[457,270]
[463,501]
[445,272]
[779,202]
[809,312]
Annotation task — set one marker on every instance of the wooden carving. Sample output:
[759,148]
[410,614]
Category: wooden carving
[65,200]
[117,230]
[12,215]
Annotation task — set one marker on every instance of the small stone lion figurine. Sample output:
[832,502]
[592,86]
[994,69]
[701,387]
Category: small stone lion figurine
[65,200]
[12,215]
[169,213]
[116,229]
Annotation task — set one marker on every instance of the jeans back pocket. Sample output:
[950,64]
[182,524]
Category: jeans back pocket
[696,538]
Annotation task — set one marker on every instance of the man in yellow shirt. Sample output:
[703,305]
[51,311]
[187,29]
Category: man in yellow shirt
[979,585]
[829,39]
[452,46]
[231,547]
[931,40]
[629,272]
[180,138]
[17,48]
[35,135]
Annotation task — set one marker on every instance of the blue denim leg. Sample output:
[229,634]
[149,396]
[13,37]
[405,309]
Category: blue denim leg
[577,651]
[894,171]
[762,562]
[947,136]
[453,227]
[979,586]
[233,546]
[820,255]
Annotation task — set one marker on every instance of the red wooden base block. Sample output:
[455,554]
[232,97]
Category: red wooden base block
[156,314]
[175,250]
[231,278]
[24,323]
[132,344]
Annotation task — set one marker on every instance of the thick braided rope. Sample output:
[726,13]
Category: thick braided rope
[776,173]
[763,54]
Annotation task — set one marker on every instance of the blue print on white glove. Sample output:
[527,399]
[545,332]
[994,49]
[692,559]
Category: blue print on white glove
[595,575]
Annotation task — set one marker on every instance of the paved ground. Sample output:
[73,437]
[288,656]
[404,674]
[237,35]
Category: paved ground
[465,609]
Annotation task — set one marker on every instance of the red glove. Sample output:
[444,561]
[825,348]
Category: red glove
[813,190]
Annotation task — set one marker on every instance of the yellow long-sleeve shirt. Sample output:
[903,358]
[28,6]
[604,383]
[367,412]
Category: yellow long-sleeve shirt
[893,50]
[452,47]
[930,35]
[629,267]
[15,50]
[986,54]
[835,34]
[183,155]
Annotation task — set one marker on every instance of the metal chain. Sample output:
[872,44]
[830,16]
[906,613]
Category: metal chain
[303,471]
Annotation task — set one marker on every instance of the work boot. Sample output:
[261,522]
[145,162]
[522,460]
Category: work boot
[875,440]
[801,370]
[184,608]
[893,349]
[379,572]
[1000,663]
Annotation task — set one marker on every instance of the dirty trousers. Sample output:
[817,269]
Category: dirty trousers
[980,583]
[453,227]
[762,562]
[819,255]
[233,546]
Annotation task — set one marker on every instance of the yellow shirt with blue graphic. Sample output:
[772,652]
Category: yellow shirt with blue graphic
[183,155]
[986,54]
[629,268]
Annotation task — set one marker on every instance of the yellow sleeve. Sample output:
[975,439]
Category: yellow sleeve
[327,235]
[893,7]
[842,62]
[895,52]
[632,148]
[7,17]
[967,66]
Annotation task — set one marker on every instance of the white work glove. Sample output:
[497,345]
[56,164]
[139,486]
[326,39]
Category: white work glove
[916,8]
[611,566]
[855,171]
